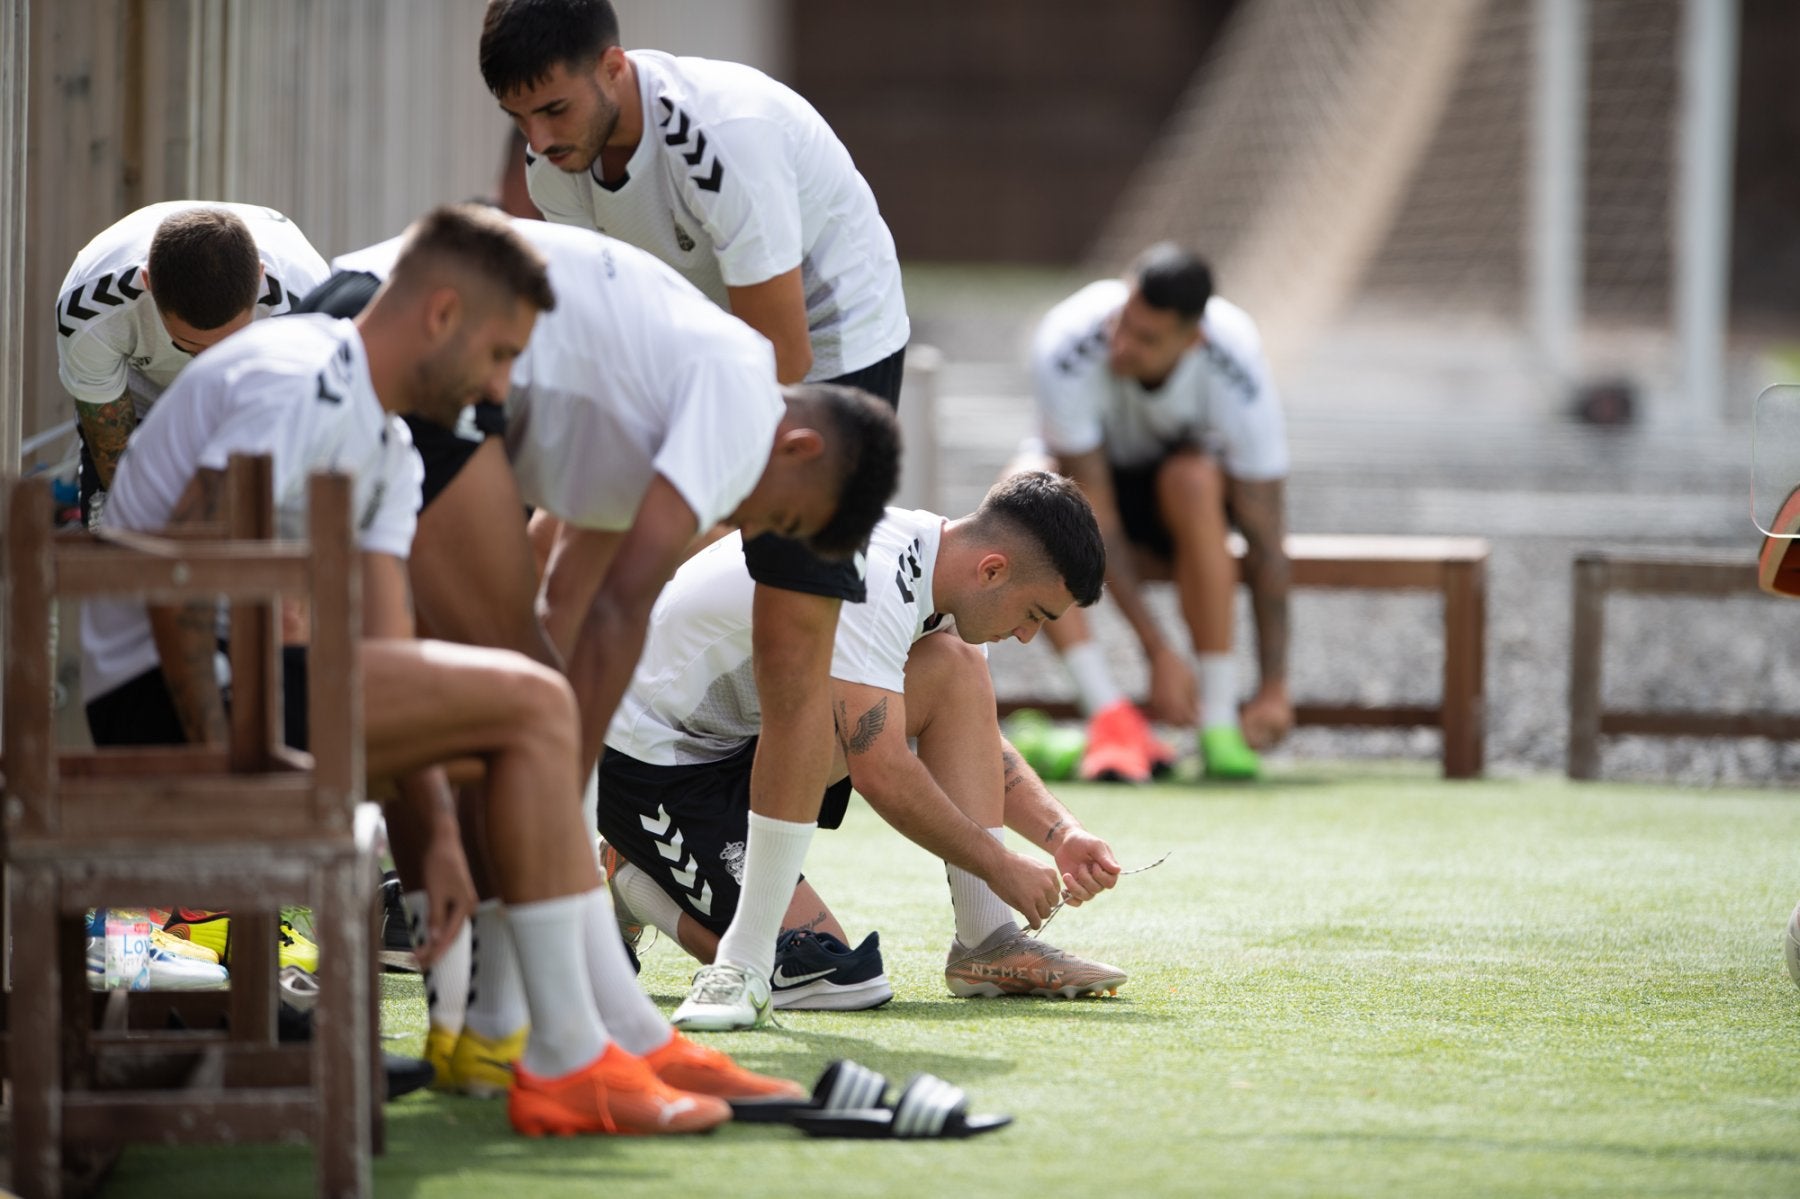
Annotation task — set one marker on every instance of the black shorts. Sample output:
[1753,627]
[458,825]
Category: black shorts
[444,451]
[789,565]
[142,712]
[687,826]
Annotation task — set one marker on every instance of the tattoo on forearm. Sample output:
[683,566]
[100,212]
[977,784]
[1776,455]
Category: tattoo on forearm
[107,427]
[1015,768]
[859,738]
[1054,829]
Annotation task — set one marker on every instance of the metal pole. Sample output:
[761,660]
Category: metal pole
[14,93]
[1709,56]
[1558,147]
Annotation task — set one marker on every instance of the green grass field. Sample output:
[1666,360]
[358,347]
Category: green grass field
[1347,981]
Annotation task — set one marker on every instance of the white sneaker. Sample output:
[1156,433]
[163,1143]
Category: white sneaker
[723,998]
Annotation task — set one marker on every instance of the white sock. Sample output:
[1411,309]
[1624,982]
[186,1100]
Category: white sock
[774,853]
[447,983]
[645,902]
[1218,690]
[1095,690]
[497,999]
[634,1022]
[566,1030]
[978,910]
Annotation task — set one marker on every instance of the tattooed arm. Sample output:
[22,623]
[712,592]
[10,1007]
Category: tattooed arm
[185,634]
[1087,863]
[871,727]
[106,427]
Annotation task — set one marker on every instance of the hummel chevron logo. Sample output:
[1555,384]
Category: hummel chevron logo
[686,877]
[130,290]
[678,136]
[694,156]
[703,901]
[668,110]
[782,978]
[272,297]
[670,849]
[103,296]
[712,181]
[659,827]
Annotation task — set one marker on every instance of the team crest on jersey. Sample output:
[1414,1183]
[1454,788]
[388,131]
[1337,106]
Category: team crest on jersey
[733,857]
[682,239]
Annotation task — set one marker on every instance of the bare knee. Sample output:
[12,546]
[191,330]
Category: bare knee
[944,673]
[537,704]
[1190,492]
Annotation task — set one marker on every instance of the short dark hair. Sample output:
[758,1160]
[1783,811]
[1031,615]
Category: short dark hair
[863,449]
[522,41]
[204,267]
[1173,279]
[1054,514]
[479,239]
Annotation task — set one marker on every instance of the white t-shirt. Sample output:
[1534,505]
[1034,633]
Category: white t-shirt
[693,697]
[110,337]
[1219,397]
[297,390]
[736,180]
[633,374]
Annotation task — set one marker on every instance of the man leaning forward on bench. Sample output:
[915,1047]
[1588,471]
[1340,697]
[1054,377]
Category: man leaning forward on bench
[321,394]
[1153,395]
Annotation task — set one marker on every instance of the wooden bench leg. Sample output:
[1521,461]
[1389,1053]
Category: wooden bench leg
[1465,631]
[253,973]
[1587,630]
[36,1056]
[342,1138]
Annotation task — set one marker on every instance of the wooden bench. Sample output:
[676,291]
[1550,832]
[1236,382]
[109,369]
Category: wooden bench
[1455,568]
[1598,575]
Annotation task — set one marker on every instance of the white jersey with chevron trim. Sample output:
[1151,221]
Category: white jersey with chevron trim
[1220,397]
[737,179]
[110,339]
[297,390]
[633,374]
[693,697]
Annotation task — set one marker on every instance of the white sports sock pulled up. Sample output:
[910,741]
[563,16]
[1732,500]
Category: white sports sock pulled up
[1095,689]
[566,1030]
[979,911]
[1218,690]
[497,1004]
[447,982]
[774,853]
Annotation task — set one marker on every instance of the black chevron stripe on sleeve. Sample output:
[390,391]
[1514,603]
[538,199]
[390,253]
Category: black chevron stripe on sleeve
[75,311]
[272,297]
[678,136]
[694,156]
[103,293]
[711,182]
[127,288]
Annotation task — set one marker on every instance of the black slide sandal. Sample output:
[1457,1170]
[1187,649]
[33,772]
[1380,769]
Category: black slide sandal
[844,1086]
[928,1108]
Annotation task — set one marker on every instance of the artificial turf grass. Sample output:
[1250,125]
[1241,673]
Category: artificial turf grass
[1357,980]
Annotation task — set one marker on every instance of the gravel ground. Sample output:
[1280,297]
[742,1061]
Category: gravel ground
[1394,432]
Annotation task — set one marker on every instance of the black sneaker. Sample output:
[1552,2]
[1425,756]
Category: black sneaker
[396,948]
[816,972]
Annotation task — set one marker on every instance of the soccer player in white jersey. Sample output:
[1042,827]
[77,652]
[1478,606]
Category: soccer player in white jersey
[318,393]
[674,781]
[152,291]
[739,183]
[639,416]
[1154,395]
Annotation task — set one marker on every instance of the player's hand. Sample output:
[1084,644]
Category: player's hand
[1268,716]
[450,894]
[1174,692]
[1028,886]
[1087,864]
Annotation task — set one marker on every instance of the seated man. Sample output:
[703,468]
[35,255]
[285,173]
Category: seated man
[1154,395]
[315,394]
[639,416]
[150,292]
[674,782]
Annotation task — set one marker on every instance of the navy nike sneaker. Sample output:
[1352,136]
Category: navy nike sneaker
[816,972]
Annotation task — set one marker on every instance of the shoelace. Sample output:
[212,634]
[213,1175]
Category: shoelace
[1060,904]
[717,984]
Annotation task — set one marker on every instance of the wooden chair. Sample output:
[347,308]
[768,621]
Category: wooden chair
[250,827]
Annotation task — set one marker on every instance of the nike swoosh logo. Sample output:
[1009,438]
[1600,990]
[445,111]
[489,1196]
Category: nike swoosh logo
[668,1111]
[784,979]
